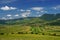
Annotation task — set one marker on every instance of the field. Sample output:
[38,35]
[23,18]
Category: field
[29,29]
[16,32]
[28,37]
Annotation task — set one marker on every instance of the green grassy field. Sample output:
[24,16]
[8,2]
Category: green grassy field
[28,37]
[30,29]
[39,33]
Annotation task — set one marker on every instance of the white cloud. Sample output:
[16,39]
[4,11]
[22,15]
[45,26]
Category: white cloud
[13,8]
[25,14]
[3,18]
[46,11]
[16,15]
[28,10]
[22,10]
[8,8]
[39,15]
[37,8]
[40,12]
[56,7]
[6,1]
[10,18]
[9,15]
[43,11]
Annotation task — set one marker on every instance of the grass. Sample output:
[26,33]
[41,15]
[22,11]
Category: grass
[44,33]
[28,37]
[30,29]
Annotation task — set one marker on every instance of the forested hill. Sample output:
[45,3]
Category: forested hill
[50,16]
[46,18]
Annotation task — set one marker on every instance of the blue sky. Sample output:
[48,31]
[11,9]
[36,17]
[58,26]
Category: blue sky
[10,9]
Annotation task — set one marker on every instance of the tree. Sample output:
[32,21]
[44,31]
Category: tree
[2,33]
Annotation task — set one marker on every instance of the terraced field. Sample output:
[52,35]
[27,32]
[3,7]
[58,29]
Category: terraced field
[16,32]
[28,37]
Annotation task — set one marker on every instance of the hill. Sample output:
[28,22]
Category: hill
[33,20]
[34,28]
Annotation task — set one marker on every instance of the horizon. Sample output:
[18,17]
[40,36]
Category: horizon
[30,17]
[28,8]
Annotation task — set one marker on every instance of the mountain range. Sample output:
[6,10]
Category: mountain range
[45,18]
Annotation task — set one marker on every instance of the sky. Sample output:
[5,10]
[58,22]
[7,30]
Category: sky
[10,9]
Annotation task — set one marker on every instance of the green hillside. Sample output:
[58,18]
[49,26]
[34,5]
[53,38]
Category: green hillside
[33,28]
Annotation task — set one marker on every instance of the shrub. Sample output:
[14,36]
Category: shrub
[32,33]
[20,32]
[43,34]
[12,33]
[1,33]
[54,34]
[36,33]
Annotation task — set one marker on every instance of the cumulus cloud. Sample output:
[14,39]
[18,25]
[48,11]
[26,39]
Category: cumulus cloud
[37,8]
[3,18]
[22,10]
[28,10]
[25,14]
[7,1]
[9,15]
[43,11]
[10,18]
[39,15]
[17,15]
[8,8]
[56,7]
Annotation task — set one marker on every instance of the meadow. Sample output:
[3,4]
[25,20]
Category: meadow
[28,37]
[17,32]
[29,29]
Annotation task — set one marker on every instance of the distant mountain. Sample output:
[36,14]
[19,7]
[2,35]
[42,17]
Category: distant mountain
[51,18]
